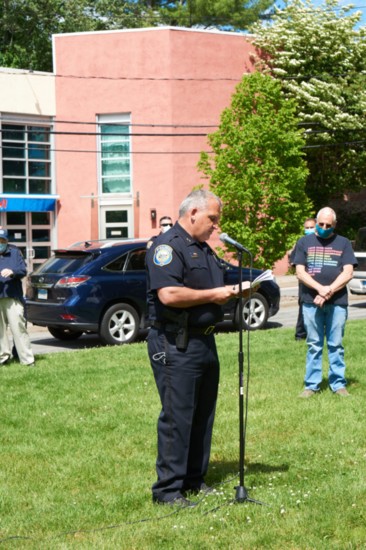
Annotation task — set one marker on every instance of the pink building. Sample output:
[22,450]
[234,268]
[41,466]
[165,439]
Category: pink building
[133,108]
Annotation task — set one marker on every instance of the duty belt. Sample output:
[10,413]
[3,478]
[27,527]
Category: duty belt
[192,331]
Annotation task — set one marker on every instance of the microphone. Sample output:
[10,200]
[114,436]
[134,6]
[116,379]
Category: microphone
[224,237]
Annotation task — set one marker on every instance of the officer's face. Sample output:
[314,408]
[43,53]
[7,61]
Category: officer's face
[205,221]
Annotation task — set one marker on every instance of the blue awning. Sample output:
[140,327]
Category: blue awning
[28,203]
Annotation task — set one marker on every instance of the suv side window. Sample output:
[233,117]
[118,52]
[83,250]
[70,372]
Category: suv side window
[117,264]
[136,261]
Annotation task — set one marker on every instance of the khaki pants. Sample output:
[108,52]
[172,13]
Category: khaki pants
[12,314]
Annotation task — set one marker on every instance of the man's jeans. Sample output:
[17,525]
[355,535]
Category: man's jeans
[328,321]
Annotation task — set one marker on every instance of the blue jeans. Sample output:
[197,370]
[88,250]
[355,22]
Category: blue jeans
[328,321]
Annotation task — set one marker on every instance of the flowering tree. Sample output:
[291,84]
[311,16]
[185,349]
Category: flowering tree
[320,58]
[257,169]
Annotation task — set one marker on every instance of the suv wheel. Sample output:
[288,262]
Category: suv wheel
[120,325]
[255,313]
[64,333]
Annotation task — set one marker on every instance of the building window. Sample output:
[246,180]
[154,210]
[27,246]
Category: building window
[26,159]
[115,155]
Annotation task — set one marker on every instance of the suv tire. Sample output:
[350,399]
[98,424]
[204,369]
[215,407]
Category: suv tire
[255,312]
[64,333]
[119,325]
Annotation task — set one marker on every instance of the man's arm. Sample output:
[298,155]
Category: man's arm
[325,291]
[181,296]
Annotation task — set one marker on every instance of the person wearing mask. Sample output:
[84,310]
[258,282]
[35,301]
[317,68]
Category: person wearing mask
[165,223]
[300,332]
[186,291]
[324,265]
[12,271]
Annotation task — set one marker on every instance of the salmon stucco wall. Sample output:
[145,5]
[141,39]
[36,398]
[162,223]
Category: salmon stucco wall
[174,83]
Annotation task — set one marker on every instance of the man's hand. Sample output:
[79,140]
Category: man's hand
[6,273]
[319,300]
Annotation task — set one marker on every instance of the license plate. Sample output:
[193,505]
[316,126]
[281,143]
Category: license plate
[42,294]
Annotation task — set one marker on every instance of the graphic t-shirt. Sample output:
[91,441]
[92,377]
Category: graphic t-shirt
[324,260]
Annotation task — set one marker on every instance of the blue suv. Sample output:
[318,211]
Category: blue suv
[100,287]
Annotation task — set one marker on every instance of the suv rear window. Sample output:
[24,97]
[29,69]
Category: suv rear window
[64,263]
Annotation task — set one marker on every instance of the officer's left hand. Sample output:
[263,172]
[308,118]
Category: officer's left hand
[6,273]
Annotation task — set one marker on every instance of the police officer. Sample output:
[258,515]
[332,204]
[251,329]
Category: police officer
[185,293]
[12,270]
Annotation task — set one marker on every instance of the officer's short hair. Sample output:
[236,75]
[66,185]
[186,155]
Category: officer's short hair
[197,199]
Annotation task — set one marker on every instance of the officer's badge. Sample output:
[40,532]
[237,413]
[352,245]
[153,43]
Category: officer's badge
[163,255]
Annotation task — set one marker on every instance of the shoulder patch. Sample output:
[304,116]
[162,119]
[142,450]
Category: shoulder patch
[163,255]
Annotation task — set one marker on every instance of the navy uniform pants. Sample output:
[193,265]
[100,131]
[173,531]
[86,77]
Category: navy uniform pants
[187,382]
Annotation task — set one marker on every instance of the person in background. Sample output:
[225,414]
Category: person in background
[300,332]
[165,223]
[324,265]
[186,291]
[12,271]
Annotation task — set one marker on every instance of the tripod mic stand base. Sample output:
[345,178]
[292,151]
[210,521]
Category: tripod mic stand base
[241,495]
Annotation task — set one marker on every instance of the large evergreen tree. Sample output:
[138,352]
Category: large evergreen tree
[257,169]
[320,58]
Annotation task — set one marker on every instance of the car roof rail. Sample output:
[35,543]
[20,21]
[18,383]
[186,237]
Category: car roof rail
[103,243]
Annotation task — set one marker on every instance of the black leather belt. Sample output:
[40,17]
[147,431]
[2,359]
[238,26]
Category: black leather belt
[192,331]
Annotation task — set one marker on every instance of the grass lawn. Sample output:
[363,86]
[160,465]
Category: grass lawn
[78,448]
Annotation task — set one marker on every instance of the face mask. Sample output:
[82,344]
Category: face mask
[3,247]
[165,228]
[324,232]
[309,231]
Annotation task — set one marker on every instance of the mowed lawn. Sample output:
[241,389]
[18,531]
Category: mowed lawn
[78,449]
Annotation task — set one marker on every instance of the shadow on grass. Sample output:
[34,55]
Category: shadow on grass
[220,469]
[324,386]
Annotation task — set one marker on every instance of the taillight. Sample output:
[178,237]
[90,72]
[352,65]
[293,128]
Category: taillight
[70,282]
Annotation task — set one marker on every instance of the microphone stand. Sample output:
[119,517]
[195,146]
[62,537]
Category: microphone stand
[241,494]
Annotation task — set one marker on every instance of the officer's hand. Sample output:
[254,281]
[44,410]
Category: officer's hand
[6,273]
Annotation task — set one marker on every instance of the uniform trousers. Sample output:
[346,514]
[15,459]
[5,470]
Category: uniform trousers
[12,314]
[187,383]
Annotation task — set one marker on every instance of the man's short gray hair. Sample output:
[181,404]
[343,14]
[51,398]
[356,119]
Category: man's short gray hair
[197,199]
[327,210]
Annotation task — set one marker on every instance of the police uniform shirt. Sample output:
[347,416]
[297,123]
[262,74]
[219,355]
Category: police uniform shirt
[176,259]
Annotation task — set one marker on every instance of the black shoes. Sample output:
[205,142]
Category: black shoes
[202,488]
[180,501]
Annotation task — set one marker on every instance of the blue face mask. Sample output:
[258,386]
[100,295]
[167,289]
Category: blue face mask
[324,232]
[3,247]
[309,231]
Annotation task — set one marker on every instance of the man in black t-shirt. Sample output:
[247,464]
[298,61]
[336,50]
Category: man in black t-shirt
[324,264]
[186,290]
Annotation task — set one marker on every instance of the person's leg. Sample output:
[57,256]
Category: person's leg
[206,396]
[178,376]
[300,332]
[5,352]
[314,325]
[18,327]
[334,329]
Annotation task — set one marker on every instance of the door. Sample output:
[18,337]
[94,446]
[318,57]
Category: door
[31,233]
[116,222]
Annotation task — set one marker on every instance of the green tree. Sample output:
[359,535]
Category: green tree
[257,169]
[320,58]
[233,14]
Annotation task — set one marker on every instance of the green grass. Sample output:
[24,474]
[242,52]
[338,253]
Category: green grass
[78,446]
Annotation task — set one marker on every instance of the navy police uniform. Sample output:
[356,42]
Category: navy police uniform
[184,360]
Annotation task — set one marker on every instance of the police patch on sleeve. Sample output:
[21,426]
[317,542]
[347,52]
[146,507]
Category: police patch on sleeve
[163,255]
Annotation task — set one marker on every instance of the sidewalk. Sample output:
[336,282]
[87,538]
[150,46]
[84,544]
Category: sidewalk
[287,281]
